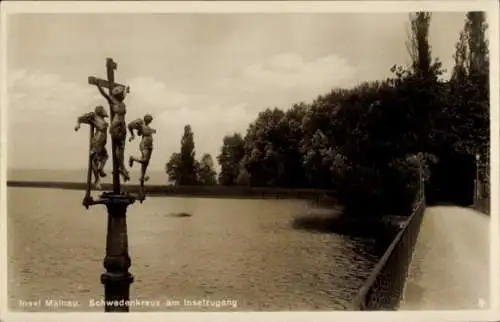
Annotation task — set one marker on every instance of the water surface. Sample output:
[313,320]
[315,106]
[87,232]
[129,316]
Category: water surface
[242,251]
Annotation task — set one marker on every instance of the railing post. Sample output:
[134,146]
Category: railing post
[477,183]
[422,184]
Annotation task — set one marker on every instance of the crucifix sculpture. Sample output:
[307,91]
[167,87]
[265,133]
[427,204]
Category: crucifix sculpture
[118,129]
[116,279]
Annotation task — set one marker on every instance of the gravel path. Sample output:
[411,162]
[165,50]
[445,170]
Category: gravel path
[450,267]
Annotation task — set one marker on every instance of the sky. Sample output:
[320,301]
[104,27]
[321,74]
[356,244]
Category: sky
[215,72]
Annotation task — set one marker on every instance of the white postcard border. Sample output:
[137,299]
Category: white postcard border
[133,7]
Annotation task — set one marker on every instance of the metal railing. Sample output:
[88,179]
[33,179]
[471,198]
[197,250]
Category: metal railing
[383,288]
[481,196]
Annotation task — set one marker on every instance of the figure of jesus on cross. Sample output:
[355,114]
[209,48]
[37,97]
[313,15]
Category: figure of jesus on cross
[118,128]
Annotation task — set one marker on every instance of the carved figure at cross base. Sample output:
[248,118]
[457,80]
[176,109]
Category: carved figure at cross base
[146,146]
[98,152]
[118,129]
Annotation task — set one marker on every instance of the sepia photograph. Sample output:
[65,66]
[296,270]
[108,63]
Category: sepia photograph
[248,161]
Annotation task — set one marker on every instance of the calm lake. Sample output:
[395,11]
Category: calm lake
[243,252]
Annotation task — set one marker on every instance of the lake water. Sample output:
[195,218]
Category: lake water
[245,252]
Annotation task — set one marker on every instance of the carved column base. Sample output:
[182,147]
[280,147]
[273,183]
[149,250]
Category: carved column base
[117,279]
[116,291]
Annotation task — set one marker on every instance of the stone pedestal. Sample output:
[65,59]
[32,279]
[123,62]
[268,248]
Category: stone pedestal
[117,279]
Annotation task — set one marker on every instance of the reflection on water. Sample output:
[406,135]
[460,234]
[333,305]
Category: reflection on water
[227,249]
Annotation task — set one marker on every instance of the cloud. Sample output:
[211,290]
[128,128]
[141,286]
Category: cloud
[37,94]
[42,110]
[154,96]
[287,78]
[209,125]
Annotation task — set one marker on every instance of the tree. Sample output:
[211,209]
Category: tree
[321,129]
[182,167]
[459,72]
[465,125]
[478,57]
[478,74]
[232,152]
[316,160]
[273,148]
[173,168]
[243,178]
[292,154]
[380,126]
[264,144]
[206,172]
[188,161]
[471,96]
[456,112]
[418,44]
[421,85]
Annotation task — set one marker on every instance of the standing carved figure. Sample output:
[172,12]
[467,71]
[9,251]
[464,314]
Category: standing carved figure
[118,128]
[146,146]
[98,153]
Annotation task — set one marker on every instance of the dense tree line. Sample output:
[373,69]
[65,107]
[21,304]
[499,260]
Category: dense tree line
[371,144]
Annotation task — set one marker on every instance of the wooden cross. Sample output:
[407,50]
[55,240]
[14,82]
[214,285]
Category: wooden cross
[103,83]
[110,82]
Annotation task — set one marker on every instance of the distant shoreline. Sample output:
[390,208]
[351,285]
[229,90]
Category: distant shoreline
[216,191]
[321,198]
